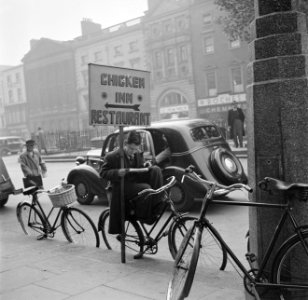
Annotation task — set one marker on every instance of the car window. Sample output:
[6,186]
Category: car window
[204,132]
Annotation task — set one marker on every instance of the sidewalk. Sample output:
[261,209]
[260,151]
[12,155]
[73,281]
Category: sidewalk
[54,269]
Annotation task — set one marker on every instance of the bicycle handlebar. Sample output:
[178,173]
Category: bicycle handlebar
[171,182]
[196,177]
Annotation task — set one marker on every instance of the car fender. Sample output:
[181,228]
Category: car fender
[90,175]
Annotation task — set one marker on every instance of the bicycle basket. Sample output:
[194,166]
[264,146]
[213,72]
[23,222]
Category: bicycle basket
[62,195]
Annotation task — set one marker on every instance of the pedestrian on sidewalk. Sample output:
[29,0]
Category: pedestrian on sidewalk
[236,119]
[32,165]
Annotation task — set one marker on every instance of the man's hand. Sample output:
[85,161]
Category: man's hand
[122,172]
[148,164]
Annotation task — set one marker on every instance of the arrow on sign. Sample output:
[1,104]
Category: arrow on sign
[134,107]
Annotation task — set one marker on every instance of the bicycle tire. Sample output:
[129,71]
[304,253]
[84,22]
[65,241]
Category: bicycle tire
[212,253]
[134,239]
[185,265]
[78,227]
[291,267]
[30,219]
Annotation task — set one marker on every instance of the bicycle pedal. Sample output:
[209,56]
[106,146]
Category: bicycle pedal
[41,237]
[251,257]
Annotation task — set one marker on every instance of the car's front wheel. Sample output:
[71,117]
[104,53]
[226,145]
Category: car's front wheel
[83,191]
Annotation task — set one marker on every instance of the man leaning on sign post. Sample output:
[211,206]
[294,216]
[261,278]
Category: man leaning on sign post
[134,181]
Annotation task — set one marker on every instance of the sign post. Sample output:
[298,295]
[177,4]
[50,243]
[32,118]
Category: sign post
[119,97]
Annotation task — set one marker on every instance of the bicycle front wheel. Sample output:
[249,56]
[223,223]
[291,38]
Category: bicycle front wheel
[78,227]
[30,219]
[291,267]
[134,239]
[212,253]
[185,265]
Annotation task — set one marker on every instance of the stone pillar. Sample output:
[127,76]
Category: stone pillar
[277,110]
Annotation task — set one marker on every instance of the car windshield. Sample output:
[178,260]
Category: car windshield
[204,132]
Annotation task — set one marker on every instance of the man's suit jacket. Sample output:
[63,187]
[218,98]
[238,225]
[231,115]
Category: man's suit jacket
[109,171]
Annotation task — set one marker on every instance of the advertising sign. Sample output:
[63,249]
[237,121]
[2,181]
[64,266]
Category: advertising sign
[118,96]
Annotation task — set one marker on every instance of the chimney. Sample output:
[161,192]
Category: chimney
[88,27]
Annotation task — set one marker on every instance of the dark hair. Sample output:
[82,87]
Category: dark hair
[134,137]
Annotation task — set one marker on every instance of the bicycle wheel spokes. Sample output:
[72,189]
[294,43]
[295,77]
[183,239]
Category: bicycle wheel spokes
[133,239]
[292,268]
[184,268]
[30,220]
[79,228]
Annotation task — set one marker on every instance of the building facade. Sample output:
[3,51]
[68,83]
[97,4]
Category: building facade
[14,102]
[51,89]
[196,71]
[219,64]
[167,34]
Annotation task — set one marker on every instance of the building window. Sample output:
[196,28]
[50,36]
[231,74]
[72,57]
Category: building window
[237,79]
[170,57]
[98,56]
[11,97]
[158,59]
[208,44]
[183,53]
[207,19]
[167,27]
[8,80]
[84,59]
[19,95]
[133,46]
[211,83]
[155,31]
[17,77]
[118,51]
[181,23]
[235,43]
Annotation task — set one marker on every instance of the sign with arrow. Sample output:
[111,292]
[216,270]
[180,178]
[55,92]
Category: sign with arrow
[118,96]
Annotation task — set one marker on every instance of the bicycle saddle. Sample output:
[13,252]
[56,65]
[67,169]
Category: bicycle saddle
[269,183]
[30,190]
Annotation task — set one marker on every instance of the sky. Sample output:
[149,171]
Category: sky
[23,20]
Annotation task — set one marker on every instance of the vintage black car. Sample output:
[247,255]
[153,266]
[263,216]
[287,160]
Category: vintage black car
[195,142]
[6,185]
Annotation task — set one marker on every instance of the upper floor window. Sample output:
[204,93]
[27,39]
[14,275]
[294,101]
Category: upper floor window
[17,77]
[98,56]
[158,59]
[155,30]
[181,23]
[208,45]
[133,46]
[235,43]
[167,27]
[207,19]
[8,79]
[237,79]
[211,83]
[84,59]
[11,97]
[19,95]
[118,51]
[170,57]
[183,53]
[85,77]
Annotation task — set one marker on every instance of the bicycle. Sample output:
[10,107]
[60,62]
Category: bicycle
[76,225]
[290,284]
[138,236]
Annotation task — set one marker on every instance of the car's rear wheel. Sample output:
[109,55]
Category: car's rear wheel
[227,167]
[180,198]
[83,191]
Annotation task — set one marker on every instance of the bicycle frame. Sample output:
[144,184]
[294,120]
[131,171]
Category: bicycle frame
[204,222]
[51,228]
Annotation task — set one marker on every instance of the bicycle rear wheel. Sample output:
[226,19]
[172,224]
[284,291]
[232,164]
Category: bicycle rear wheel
[212,253]
[30,219]
[134,239]
[78,227]
[291,267]
[185,265]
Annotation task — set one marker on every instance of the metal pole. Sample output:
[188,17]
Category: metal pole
[122,198]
